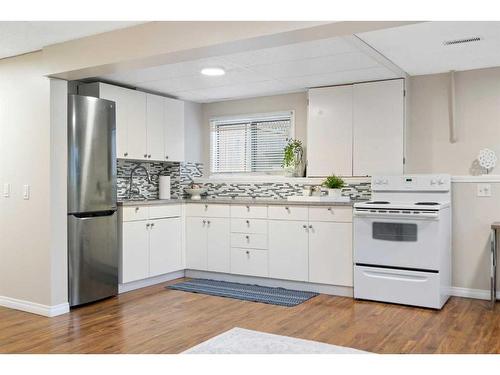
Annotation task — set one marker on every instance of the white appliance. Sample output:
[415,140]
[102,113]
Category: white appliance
[402,241]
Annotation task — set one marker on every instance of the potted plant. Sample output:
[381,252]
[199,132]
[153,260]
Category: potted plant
[293,158]
[334,184]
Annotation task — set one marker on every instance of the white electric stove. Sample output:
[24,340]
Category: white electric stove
[402,241]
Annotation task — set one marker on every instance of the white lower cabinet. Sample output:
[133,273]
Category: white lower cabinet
[135,251]
[165,244]
[288,250]
[218,244]
[330,253]
[196,243]
[208,244]
[251,262]
[150,247]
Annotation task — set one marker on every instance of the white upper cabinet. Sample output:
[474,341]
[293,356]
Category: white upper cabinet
[329,133]
[356,130]
[131,133]
[378,119]
[174,130]
[155,121]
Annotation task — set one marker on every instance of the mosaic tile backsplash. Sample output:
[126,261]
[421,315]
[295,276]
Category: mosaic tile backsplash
[181,176]
[278,190]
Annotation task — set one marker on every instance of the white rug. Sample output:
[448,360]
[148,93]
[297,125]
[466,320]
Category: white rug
[245,341]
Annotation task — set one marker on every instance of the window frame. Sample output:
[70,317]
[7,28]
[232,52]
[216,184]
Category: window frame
[249,118]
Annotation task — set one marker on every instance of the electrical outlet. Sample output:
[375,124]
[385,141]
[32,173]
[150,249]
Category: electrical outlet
[26,192]
[484,190]
[6,190]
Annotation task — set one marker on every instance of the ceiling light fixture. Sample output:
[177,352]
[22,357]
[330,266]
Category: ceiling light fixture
[213,71]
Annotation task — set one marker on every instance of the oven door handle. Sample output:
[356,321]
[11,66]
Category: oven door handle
[388,215]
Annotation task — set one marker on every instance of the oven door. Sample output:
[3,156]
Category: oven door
[397,241]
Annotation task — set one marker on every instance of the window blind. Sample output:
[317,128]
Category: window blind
[245,145]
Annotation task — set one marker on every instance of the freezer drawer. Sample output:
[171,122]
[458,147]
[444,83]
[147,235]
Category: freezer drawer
[92,258]
[398,286]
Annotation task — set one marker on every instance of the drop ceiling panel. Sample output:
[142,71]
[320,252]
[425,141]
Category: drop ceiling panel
[268,71]
[338,78]
[317,65]
[300,51]
[419,49]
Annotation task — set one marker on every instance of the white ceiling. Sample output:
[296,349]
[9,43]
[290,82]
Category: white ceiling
[418,48]
[269,71]
[17,37]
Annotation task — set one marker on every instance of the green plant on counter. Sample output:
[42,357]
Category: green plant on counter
[293,153]
[333,182]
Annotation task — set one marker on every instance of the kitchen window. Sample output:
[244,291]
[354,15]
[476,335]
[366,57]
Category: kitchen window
[249,144]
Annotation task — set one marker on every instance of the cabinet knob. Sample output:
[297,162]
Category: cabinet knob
[125,154]
[204,222]
[248,238]
[149,156]
[206,207]
[287,208]
[147,225]
[248,222]
[310,227]
[247,252]
[136,209]
[248,208]
[304,226]
[166,156]
[208,222]
[145,155]
[330,209]
[152,225]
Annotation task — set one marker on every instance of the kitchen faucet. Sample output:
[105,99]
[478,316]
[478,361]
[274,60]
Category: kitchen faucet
[131,189]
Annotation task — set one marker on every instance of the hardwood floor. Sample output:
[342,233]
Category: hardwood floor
[156,320]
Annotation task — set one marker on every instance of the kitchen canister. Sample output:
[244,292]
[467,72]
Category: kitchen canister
[164,187]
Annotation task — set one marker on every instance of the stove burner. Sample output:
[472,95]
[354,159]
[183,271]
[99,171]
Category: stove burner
[377,202]
[426,204]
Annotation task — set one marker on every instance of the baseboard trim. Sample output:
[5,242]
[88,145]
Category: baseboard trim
[471,293]
[33,307]
[335,290]
[123,288]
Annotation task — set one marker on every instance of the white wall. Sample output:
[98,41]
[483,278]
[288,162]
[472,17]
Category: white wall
[429,150]
[25,159]
[275,103]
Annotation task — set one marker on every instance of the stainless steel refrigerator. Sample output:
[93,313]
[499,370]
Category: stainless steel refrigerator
[92,210]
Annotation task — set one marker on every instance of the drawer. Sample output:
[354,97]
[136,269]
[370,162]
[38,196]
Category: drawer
[248,226]
[288,212]
[331,213]
[249,240]
[252,262]
[397,286]
[207,209]
[158,212]
[133,213]
[249,211]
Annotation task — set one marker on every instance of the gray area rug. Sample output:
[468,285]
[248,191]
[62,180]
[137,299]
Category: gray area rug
[245,341]
[246,292]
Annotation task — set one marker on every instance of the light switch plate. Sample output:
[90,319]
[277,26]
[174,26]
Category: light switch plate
[26,192]
[6,190]
[484,190]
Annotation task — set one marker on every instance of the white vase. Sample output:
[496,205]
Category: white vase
[335,193]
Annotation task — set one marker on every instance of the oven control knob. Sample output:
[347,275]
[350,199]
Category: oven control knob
[433,182]
[440,181]
[385,181]
[376,182]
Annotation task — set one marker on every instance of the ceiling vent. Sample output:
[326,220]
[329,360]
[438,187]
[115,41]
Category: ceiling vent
[461,41]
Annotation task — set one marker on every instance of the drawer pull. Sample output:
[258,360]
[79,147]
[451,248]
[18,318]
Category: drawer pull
[248,208]
[248,222]
[248,238]
[136,209]
[247,252]
[330,209]
[287,208]
[206,207]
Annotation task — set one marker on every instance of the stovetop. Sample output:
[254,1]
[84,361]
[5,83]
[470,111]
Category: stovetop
[420,205]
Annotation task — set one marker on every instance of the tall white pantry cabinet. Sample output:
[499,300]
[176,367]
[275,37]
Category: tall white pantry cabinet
[356,130]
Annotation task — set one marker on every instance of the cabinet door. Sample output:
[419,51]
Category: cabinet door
[130,120]
[196,243]
[330,253]
[174,129]
[378,123]
[155,124]
[218,244]
[329,131]
[165,250]
[288,250]
[135,251]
